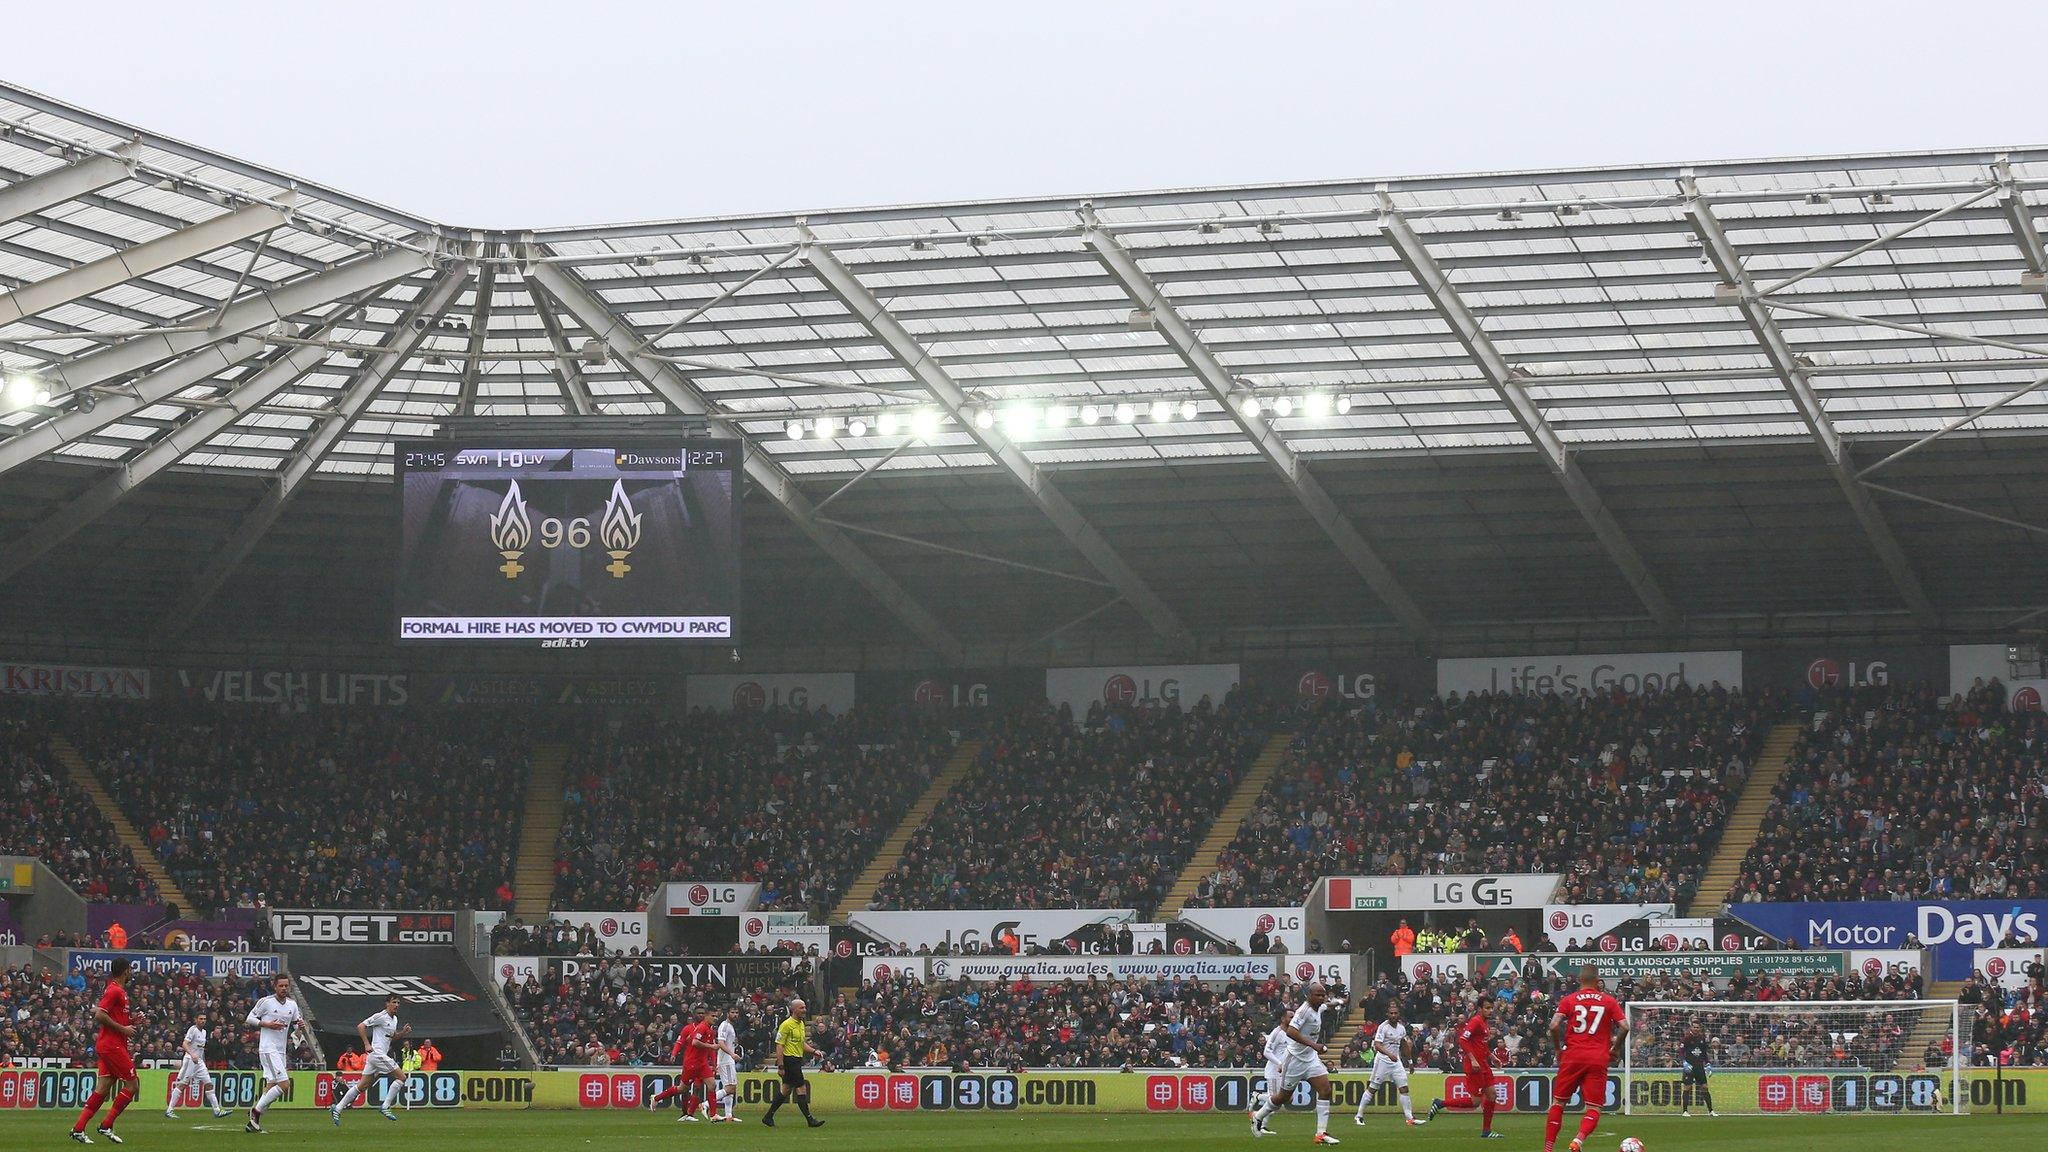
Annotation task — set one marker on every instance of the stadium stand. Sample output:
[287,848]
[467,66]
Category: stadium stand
[1899,793]
[616,1013]
[1099,816]
[46,816]
[383,810]
[794,800]
[1624,794]
[45,1014]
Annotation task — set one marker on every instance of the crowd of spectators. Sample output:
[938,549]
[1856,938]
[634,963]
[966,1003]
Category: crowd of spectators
[46,1014]
[1098,815]
[795,801]
[618,1012]
[2007,1024]
[1624,795]
[1436,1008]
[44,815]
[1901,793]
[333,808]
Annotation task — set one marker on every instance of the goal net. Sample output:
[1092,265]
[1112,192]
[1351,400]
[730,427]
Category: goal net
[1792,1057]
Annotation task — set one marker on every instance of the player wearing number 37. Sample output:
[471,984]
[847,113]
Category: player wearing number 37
[1585,1028]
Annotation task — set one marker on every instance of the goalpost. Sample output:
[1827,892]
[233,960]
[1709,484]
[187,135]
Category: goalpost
[1794,1057]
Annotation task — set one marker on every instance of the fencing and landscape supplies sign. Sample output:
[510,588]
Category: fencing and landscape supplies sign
[1969,663]
[777,929]
[1155,685]
[1568,927]
[1054,969]
[1222,1092]
[313,926]
[1571,675]
[618,931]
[344,984]
[1634,965]
[83,681]
[957,930]
[708,897]
[2006,967]
[1952,929]
[1239,925]
[1439,893]
[687,971]
[808,692]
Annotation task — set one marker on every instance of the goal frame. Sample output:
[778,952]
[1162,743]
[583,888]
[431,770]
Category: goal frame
[1958,1090]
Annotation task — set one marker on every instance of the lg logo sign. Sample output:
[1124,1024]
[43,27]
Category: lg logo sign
[1826,672]
[1123,689]
[1314,685]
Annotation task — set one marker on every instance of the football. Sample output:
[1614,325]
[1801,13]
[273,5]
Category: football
[1631,1144]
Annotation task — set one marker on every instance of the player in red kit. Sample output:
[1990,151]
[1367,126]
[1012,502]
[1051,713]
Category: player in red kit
[695,1047]
[1585,1028]
[116,1062]
[1475,1042]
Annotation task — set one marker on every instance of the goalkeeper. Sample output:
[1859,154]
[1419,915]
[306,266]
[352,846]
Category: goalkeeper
[1693,1050]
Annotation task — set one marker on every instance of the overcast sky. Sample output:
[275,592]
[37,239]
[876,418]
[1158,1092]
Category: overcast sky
[511,114]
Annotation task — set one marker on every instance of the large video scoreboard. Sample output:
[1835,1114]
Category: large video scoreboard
[563,545]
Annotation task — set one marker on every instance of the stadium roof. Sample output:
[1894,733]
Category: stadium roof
[168,308]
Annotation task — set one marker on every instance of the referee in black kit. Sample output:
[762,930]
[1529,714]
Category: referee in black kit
[1693,1048]
[793,1043]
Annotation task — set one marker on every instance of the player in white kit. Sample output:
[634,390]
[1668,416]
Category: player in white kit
[1301,1063]
[1276,1075]
[377,1033]
[729,1065]
[274,1017]
[1391,1051]
[192,1073]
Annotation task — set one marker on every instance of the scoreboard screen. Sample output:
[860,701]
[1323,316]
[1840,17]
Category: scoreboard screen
[564,546]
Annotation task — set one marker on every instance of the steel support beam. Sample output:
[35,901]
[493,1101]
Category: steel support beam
[58,185]
[775,481]
[1786,366]
[479,327]
[1506,383]
[404,340]
[282,303]
[1187,343]
[155,388]
[568,371]
[167,450]
[2013,203]
[870,313]
[149,256]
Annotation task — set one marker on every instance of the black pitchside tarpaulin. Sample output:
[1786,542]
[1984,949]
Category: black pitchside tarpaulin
[345,984]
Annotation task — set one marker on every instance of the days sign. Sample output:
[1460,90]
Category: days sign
[76,680]
[1607,672]
[1421,893]
[1237,925]
[1633,966]
[1611,927]
[1146,686]
[2006,967]
[280,688]
[301,926]
[804,691]
[956,931]
[618,931]
[687,971]
[343,983]
[1951,929]
[205,965]
[1807,670]
[708,897]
